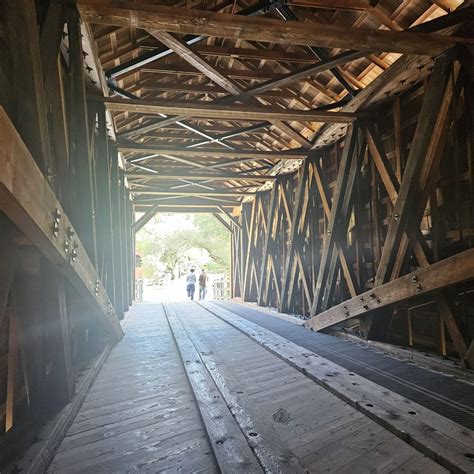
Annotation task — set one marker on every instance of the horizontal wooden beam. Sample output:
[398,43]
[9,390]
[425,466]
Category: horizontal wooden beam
[174,210]
[198,177]
[227,112]
[297,154]
[439,275]
[184,70]
[178,20]
[177,192]
[355,5]
[44,222]
[246,53]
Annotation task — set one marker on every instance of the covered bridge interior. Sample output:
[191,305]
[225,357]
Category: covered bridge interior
[333,140]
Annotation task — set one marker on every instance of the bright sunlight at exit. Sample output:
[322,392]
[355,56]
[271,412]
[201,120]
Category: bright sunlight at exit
[181,257]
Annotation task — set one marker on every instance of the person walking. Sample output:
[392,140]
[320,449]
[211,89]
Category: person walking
[202,284]
[191,284]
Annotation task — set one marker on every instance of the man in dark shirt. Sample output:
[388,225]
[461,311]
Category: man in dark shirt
[202,284]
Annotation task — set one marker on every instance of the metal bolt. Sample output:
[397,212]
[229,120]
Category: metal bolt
[56,229]
[396,216]
[378,300]
[414,278]
[361,298]
[70,232]
[73,255]
[366,307]
[372,295]
[75,245]
[66,246]
[418,288]
[57,214]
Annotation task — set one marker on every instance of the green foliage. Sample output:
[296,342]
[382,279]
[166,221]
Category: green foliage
[212,236]
[203,241]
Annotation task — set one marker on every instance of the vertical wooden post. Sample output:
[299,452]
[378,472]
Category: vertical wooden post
[12,367]
[116,232]
[105,240]
[27,300]
[422,140]
[57,321]
[82,177]
[264,268]
[30,115]
[410,328]
[123,240]
[339,193]
[290,263]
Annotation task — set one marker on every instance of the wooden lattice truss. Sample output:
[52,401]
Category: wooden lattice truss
[208,98]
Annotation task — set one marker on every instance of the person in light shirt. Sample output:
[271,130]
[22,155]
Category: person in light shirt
[191,284]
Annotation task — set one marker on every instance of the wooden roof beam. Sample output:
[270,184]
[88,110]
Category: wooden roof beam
[212,152]
[222,25]
[182,49]
[235,112]
[201,176]
[173,192]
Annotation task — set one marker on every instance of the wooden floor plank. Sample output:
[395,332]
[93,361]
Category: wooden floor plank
[298,410]
[141,412]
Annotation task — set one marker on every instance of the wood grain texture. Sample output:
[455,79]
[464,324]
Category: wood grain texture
[259,29]
[435,436]
[34,215]
[141,413]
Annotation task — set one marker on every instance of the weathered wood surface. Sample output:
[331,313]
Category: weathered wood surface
[125,147]
[437,437]
[234,112]
[297,420]
[439,275]
[140,414]
[258,29]
[231,449]
[28,200]
[40,455]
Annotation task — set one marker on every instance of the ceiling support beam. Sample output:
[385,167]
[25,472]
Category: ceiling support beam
[223,222]
[297,154]
[143,129]
[157,192]
[147,217]
[320,53]
[195,60]
[226,112]
[222,25]
[202,176]
[161,52]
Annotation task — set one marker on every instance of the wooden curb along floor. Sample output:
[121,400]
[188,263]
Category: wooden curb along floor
[231,450]
[39,456]
[264,444]
[439,438]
